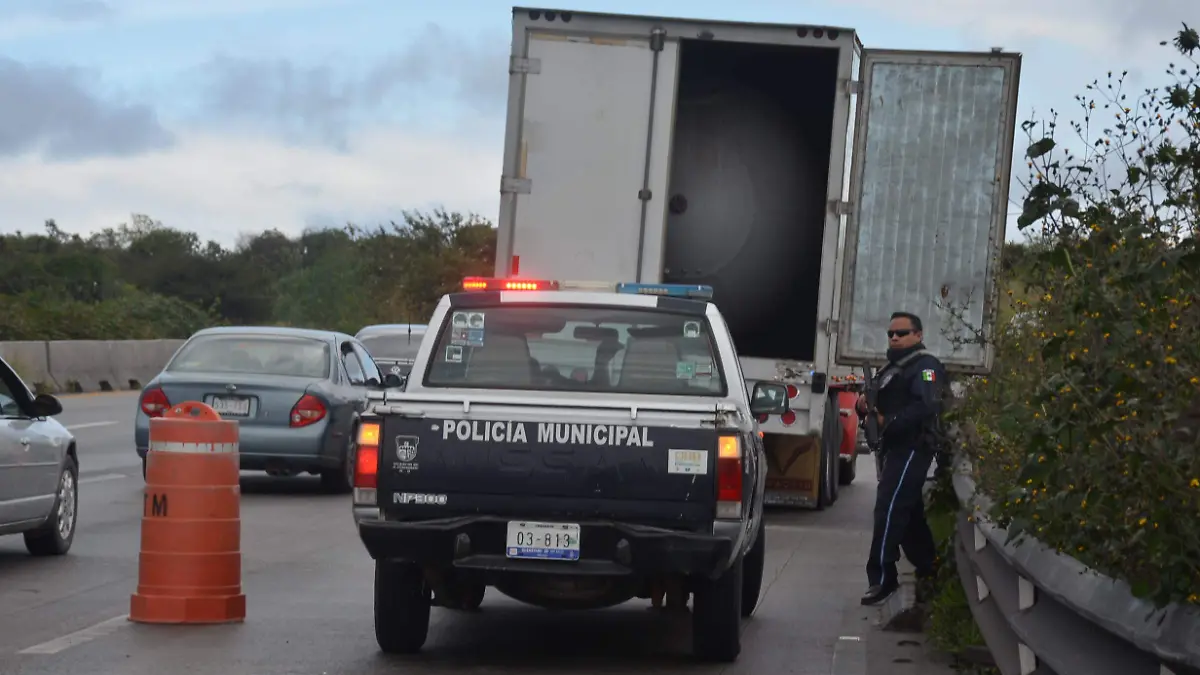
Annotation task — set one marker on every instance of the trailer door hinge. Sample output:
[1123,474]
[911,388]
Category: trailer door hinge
[831,326]
[853,87]
[524,65]
[841,208]
[510,185]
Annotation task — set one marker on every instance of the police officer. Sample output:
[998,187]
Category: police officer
[908,409]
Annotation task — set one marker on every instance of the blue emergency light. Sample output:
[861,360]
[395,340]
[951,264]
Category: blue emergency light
[692,291]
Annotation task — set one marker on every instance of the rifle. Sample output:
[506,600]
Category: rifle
[871,423]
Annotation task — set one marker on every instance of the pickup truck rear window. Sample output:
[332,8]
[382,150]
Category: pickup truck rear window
[565,348]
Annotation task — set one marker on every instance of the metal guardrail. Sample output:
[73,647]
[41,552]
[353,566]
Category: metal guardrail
[1043,613]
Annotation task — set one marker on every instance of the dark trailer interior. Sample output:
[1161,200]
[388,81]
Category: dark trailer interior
[749,170]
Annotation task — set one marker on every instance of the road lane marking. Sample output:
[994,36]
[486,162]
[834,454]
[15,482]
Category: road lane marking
[101,478]
[89,425]
[106,627]
[849,656]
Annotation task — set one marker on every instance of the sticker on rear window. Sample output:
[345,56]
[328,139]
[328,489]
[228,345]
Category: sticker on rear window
[454,354]
[685,370]
[691,329]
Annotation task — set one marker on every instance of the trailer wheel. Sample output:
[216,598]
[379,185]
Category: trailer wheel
[827,490]
[848,469]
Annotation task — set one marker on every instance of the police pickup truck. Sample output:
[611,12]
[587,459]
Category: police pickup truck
[573,446]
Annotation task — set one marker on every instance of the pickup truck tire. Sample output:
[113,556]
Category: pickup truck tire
[717,616]
[752,570]
[402,601]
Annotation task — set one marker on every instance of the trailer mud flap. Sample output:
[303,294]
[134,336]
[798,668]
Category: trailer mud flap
[793,470]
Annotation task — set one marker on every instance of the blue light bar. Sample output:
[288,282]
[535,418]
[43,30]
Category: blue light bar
[695,292]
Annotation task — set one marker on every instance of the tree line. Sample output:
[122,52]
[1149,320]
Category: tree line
[146,280]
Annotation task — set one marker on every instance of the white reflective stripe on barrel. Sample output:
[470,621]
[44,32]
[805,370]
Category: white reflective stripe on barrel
[193,448]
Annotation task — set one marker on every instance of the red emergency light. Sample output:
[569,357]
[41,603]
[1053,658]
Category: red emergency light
[489,284]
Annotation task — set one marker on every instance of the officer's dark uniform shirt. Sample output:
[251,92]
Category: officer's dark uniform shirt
[912,403]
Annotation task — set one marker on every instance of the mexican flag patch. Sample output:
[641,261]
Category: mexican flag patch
[928,376]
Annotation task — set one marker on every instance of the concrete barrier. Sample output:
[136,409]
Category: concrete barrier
[31,361]
[75,366]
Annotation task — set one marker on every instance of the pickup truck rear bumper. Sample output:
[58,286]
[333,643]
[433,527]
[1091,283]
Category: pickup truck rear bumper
[606,548]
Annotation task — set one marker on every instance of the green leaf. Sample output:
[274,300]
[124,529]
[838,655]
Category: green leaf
[1040,148]
[1052,346]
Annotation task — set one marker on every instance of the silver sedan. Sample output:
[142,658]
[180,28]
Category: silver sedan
[39,468]
[393,345]
[294,392]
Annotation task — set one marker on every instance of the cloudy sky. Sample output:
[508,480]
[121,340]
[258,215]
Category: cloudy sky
[228,116]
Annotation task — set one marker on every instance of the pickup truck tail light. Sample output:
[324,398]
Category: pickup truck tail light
[366,458]
[729,477]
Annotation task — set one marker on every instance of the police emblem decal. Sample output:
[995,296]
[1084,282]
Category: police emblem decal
[406,448]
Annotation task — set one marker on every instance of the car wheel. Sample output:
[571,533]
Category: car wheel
[752,570]
[717,617]
[55,536]
[402,602]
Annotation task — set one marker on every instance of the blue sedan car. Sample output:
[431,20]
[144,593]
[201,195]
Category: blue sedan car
[295,394]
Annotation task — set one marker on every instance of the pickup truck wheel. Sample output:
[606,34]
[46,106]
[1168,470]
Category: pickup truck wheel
[717,616]
[402,601]
[752,571]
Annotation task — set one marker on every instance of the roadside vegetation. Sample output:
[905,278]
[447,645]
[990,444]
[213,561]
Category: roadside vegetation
[1085,433]
[146,280]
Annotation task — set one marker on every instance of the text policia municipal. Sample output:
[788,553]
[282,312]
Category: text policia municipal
[547,432]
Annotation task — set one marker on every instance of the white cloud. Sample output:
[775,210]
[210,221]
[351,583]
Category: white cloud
[220,186]
[34,19]
[1098,26]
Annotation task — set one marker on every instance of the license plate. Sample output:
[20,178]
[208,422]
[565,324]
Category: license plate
[542,541]
[231,406]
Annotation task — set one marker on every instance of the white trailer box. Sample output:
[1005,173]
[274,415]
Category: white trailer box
[817,187]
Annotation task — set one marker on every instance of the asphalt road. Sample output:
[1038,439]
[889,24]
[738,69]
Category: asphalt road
[308,584]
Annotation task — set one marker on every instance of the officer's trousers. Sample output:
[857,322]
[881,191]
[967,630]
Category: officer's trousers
[900,517]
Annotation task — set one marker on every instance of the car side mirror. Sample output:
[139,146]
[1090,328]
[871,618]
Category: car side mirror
[46,405]
[769,398]
[394,381]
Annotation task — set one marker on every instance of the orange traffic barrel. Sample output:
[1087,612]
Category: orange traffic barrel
[190,566]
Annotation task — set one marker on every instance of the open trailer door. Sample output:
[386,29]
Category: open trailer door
[929,186]
[587,148]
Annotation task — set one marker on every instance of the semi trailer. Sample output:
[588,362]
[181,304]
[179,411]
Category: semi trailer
[814,184]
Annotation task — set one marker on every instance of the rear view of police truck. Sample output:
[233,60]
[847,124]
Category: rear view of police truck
[573,449]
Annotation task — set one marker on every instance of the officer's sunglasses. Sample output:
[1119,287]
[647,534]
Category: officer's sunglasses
[898,333]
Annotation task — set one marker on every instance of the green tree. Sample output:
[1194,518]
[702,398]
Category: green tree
[1083,435]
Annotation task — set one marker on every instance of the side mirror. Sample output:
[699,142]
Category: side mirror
[769,398]
[394,381]
[46,405]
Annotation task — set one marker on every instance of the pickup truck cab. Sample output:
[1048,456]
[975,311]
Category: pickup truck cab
[573,446]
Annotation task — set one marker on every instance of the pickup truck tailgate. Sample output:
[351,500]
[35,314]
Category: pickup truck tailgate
[662,474]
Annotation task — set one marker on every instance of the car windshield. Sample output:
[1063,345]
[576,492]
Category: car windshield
[253,354]
[577,348]
[392,346]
